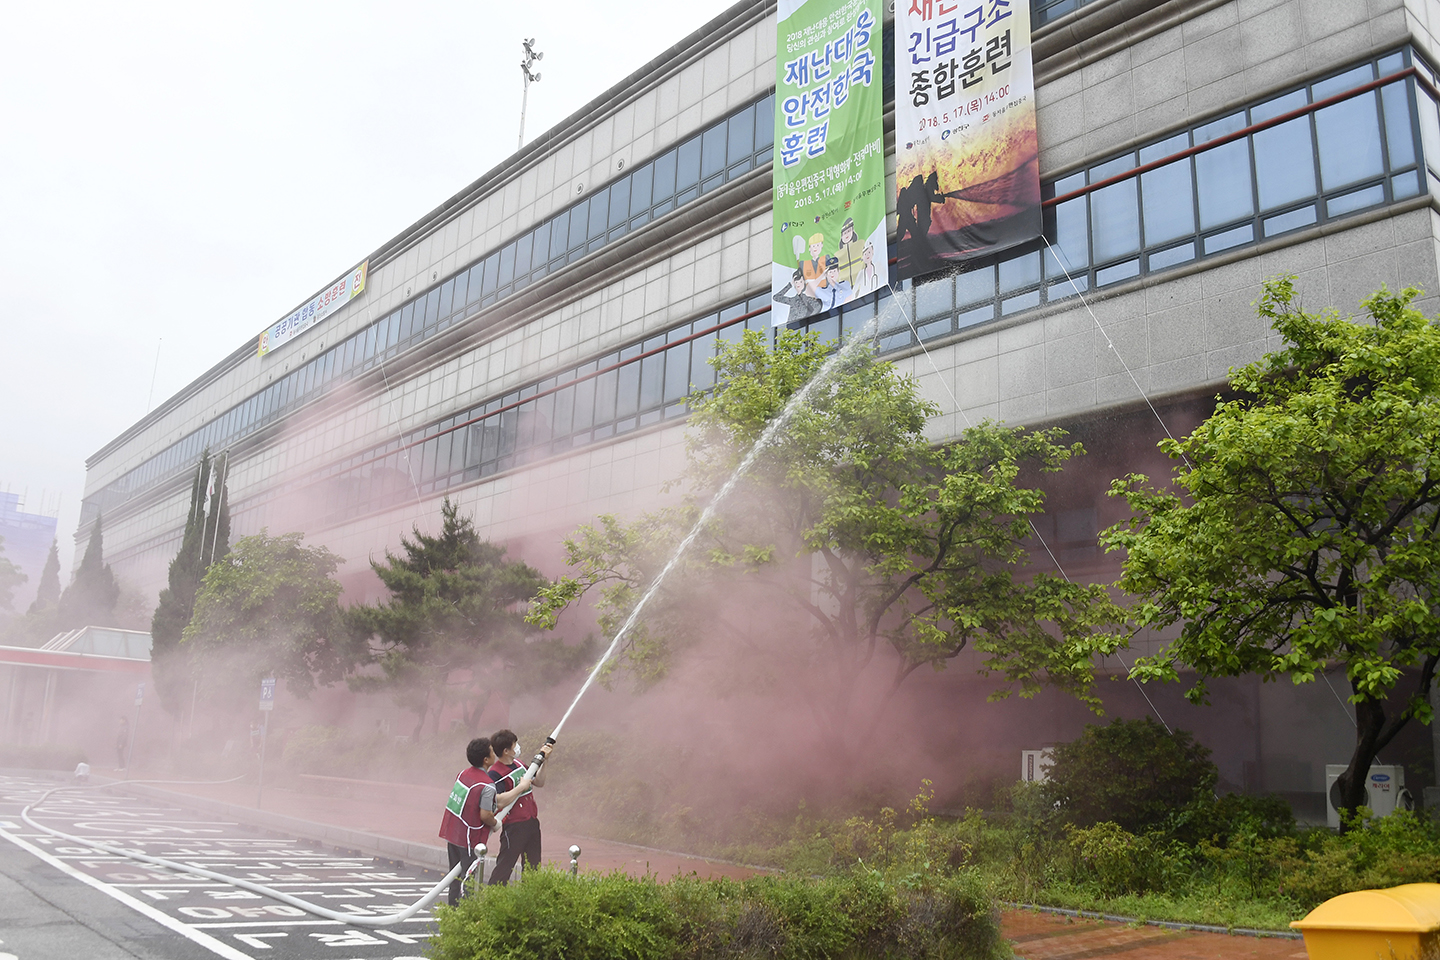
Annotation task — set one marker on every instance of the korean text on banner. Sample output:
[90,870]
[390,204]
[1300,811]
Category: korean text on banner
[967,170]
[829,236]
[340,292]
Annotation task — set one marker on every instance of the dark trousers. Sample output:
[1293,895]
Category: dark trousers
[458,855]
[517,839]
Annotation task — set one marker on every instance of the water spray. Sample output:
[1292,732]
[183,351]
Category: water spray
[766,438]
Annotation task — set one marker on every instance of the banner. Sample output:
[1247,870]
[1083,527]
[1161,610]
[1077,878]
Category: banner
[829,236]
[967,168]
[341,292]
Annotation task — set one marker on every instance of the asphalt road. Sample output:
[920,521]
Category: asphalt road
[60,900]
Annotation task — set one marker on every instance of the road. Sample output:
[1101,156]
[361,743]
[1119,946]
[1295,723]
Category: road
[60,900]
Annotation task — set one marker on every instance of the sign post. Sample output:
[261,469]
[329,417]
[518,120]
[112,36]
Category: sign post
[267,704]
[130,747]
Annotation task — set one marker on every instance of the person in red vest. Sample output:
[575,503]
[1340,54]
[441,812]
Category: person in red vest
[521,834]
[470,811]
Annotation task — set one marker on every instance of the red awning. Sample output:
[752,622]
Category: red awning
[62,660]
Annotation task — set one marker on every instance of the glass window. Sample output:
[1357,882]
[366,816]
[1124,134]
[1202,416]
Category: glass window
[1284,170]
[1349,135]
[579,222]
[702,375]
[542,252]
[741,137]
[712,151]
[687,167]
[447,298]
[559,235]
[665,176]
[1223,177]
[641,183]
[462,283]
[432,308]
[1169,202]
[507,264]
[382,336]
[599,213]
[477,282]
[620,202]
[584,415]
[523,246]
[974,285]
[1115,220]
[765,124]
[605,394]
[1282,104]
[1019,272]
[1071,238]
[1399,138]
[369,347]
[407,321]
[652,380]
[677,372]
[1345,81]
[492,274]
[935,298]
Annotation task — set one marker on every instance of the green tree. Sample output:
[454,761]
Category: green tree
[269,608]
[205,540]
[1131,772]
[453,629]
[90,598]
[10,578]
[1302,533]
[851,532]
[47,593]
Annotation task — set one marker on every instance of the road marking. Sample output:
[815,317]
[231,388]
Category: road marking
[203,939]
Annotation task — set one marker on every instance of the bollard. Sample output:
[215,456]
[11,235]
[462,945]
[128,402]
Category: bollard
[574,860]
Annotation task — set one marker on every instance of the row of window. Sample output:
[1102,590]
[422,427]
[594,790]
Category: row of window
[1179,205]
[1363,151]
[644,383]
[1359,152]
[725,150]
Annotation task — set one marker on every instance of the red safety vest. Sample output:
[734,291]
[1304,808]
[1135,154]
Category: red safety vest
[524,808]
[461,824]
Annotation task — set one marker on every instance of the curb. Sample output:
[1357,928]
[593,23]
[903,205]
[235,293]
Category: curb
[1167,924]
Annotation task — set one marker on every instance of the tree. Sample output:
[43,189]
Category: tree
[851,531]
[1303,530]
[90,598]
[269,608]
[47,593]
[205,540]
[1131,772]
[453,628]
[10,578]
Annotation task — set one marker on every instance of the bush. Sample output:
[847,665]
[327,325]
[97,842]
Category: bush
[1379,852]
[1132,773]
[549,915]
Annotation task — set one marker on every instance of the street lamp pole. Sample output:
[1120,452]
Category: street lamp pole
[531,56]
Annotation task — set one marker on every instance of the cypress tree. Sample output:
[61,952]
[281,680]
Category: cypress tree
[47,594]
[90,598]
[177,599]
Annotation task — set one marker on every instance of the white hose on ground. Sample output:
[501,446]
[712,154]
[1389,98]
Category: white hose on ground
[367,920]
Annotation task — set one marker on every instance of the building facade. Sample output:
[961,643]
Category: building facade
[527,348]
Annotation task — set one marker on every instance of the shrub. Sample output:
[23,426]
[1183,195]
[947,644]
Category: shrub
[1132,773]
[1117,862]
[549,914]
[1380,852]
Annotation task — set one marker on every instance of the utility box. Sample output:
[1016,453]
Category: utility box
[1399,923]
[1035,765]
[1385,786]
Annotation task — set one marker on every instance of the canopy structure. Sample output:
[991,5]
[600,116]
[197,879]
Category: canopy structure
[88,650]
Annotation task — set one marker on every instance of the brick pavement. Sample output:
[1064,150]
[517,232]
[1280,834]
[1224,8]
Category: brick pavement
[411,813]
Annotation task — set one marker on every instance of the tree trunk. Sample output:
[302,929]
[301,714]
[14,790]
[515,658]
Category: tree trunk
[1369,727]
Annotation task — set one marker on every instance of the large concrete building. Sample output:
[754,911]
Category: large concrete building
[527,347]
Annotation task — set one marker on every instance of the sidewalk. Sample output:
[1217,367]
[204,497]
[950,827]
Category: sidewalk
[399,821]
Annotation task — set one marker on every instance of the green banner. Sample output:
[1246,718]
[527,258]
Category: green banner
[829,235]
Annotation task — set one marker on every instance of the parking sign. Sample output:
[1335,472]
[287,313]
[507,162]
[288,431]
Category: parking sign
[267,693]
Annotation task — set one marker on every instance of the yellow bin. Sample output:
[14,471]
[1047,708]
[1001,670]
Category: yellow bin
[1396,924]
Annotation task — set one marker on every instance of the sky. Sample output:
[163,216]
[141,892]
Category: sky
[174,177]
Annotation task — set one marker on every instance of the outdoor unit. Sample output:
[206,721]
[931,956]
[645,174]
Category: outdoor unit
[1386,787]
[1035,765]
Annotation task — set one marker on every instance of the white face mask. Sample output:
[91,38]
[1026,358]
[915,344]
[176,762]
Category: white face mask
[518,751]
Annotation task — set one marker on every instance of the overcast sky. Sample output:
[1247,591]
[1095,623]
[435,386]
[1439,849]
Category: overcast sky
[183,174]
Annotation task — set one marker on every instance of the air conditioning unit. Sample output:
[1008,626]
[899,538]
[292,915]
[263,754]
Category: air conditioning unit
[1035,765]
[1385,785]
